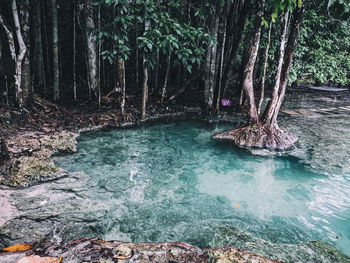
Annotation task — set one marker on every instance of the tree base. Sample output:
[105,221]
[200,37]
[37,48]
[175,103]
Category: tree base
[258,137]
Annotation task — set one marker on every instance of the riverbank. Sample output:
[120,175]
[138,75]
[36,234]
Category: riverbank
[96,250]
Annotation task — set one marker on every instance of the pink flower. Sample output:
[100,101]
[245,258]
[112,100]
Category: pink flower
[225,102]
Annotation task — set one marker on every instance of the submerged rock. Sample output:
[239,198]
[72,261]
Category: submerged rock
[312,251]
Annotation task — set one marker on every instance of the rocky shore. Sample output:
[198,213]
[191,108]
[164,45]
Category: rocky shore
[96,250]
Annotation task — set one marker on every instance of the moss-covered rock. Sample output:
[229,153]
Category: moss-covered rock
[30,157]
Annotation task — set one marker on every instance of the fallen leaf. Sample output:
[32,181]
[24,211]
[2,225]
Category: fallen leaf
[18,247]
[38,259]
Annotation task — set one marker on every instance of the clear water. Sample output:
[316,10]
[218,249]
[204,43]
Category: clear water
[171,182]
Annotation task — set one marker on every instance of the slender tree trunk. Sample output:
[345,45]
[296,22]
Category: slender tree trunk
[26,76]
[74,53]
[121,78]
[275,93]
[137,60]
[145,81]
[144,89]
[11,43]
[56,74]
[210,62]
[20,56]
[288,57]
[156,74]
[236,20]
[164,90]
[45,46]
[99,58]
[248,82]
[39,72]
[262,90]
[221,66]
[91,48]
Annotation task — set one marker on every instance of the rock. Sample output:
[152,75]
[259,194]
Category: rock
[96,250]
[312,251]
[38,259]
[30,157]
[229,255]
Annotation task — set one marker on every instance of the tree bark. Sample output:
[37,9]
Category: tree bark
[145,80]
[20,56]
[236,20]
[137,60]
[12,47]
[56,74]
[39,71]
[44,5]
[144,90]
[275,94]
[210,61]
[26,76]
[121,78]
[248,82]
[74,53]
[99,47]
[164,90]
[262,90]
[222,57]
[288,57]
[91,49]
[156,74]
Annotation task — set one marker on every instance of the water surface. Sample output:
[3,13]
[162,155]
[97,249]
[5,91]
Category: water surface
[171,182]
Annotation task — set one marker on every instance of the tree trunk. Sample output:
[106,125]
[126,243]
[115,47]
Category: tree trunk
[275,94]
[137,60]
[267,134]
[20,56]
[56,74]
[74,53]
[248,82]
[99,47]
[236,20]
[26,76]
[262,90]
[39,71]
[144,90]
[156,74]
[44,5]
[91,48]
[210,61]
[12,47]
[288,57]
[222,57]
[164,90]
[145,80]
[121,78]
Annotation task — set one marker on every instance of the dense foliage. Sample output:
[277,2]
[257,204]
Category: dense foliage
[184,50]
[323,53]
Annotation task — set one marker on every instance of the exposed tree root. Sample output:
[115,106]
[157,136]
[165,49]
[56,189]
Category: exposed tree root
[44,104]
[259,137]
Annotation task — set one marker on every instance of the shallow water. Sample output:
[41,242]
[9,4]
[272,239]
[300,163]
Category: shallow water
[171,182]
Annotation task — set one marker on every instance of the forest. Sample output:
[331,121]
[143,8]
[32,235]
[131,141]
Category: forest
[158,53]
[174,131]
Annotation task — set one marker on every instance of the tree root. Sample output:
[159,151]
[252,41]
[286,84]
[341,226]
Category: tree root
[258,136]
